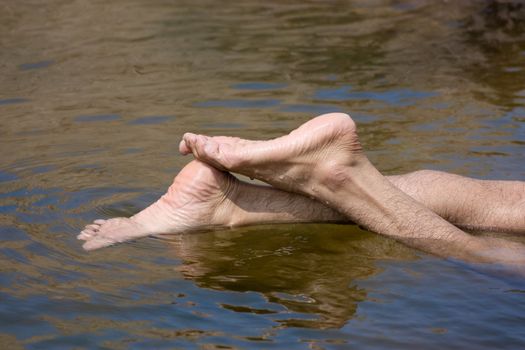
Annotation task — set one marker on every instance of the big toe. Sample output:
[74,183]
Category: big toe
[203,148]
[188,143]
[97,243]
[183,148]
[85,235]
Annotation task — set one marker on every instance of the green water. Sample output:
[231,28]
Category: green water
[94,97]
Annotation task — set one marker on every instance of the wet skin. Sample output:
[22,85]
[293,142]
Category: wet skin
[197,198]
[323,159]
[202,197]
[318,160]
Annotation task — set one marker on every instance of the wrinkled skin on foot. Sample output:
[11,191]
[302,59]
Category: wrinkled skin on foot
[314,151]
[199,198]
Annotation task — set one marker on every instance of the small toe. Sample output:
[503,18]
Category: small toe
[92,227]
[84,235]
[99,221]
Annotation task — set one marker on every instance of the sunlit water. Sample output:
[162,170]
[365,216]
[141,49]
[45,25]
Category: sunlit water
[94,97]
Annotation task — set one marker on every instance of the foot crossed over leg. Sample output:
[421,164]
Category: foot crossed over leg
[295,162]
[323,159]
[202,197]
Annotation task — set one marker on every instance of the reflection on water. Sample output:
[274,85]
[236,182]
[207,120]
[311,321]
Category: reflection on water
[310,270]
[95,95]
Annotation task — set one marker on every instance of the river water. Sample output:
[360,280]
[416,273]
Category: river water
[94,97]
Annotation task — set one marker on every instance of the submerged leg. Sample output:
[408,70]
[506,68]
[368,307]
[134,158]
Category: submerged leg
[481,205]
[198,197]
[323,159]
[202,197]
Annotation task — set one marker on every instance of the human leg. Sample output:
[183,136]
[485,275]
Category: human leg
[481,205]
[202,197]
[216,199]
[468,203]
[323,160]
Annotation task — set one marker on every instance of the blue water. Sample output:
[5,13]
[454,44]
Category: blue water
[94,98]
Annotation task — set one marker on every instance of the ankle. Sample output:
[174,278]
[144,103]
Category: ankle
[360,192]
[335,177]
[229,211]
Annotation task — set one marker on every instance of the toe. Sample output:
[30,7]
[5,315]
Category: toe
[84,235]
[92,227]
[194,143]
[100,221]
[211,149]
[189,140]
[97,243]
[183,148]
[212,155]
[200,144]
[193,146]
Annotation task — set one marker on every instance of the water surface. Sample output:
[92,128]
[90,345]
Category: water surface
[94,97]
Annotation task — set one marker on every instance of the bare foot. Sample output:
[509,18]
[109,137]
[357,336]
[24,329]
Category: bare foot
[323,159]
[197,199]
[289,162]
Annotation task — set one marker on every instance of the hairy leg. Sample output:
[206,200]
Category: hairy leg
[218,199]
[481,205]
[202,197]
[323,159]
[197,198]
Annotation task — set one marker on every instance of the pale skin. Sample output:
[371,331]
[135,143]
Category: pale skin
[320,174]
